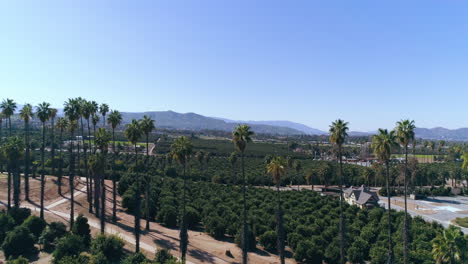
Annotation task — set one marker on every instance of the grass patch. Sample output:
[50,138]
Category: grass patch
[462,221]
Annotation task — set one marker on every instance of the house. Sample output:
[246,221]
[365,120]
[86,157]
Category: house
[362,197]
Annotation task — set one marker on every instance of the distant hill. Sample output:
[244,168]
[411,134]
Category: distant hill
[192,121]
[440,133]
[297,126]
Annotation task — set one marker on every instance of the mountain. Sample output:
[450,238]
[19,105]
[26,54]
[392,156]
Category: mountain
[192,121]
[440,133]
[297,126]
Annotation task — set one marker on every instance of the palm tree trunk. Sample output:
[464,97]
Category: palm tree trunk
[244,221]
[85,152]
[43,171]
[183,226]
[279,231]
[137,208]
[9,187]
[16,185]
[9,124]
[52,146]
[103,194]
[71,177]
[147,187]
[114,185]
[405,227]
[60,172]
[342,221]
[26,162]
[390,248]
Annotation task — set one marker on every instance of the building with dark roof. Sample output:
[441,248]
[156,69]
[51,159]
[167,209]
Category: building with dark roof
[362,197]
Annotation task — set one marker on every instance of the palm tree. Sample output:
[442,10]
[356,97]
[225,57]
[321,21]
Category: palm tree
[53,114]
[181,150]
[338,133]
[133,134]
[62,125]
[147,126]
[448,247]
[200,157]
[43,113]
[72,113]
[103,109]
[26,114]
[240,137]
[233,161]
[13,151]
[432,147]
[95,121]
[278,168]
[85,109]
[115,118]
[383,144]
[405,134]
[8,107]
[298,168]
[102,142]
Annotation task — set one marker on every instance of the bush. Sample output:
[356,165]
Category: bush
[99,258]
[192,217]
[20,260]
[383,192]
[35,225]
[7,223]
[81,259]
[81,228]
[52,232]
[163,256]
[19,214]
[136,258]
[19,242]
[251,241]
[215,226]
[308,252]
[110,246]
[168,216]
[70,245]
[268,241]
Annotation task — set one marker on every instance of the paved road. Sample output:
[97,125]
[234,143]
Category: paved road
[443,209]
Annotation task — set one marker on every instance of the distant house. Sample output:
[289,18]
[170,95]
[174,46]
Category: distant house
[362,197]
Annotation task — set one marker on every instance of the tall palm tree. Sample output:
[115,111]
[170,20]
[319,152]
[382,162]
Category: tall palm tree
[233,161]
[102,140]
[200,157]
[53,114]
[240,137]
[95,121]
[8,107]
[338,133]
[383,144]
[43,113]
[115,118]
[278,168]
[13,151]
[448,247]
[62,125]
[85,112]
[432,147]
[181,150]
[103,109]
[133,134]
[26,114]
[405,134]
[72,113]
[147,126]
[298,168]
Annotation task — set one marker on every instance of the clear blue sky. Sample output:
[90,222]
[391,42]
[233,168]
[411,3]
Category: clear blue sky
[368,62]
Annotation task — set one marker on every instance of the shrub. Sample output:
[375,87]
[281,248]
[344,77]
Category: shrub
[383,192]
[52,232]
[19,214]
[19,242]
[192,217]
[308,252]
[136,258]
[7,223]
[81,228]
[35,225]
[70,245]
[81,259]
[128,200]
[99,258]
[215,226]
[168,216]
[19,260]
[110,246]
[268,240]
[163,256]
[251,241]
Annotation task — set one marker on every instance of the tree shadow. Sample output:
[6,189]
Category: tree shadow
[201,255]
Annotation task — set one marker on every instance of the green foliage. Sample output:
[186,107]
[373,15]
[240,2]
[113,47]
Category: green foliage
[6,224]
[35,225]
[163,256]
[192,217]
[19,260]
[80,259]
[70,245]
[268,241]
[136,258]
[52,232]
[110,246]
[168,216]
[215,226]
[19,242]
[19,214]
[251,240]
[81,229]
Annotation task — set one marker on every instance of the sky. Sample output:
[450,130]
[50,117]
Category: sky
[368,62]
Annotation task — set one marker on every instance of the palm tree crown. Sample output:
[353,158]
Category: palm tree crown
[114,119]
[338,132]
[241,135]
[103,137]
[71,109]
[277,168]
[8,107]
[26,113]
[62,123]
[405,131]
[133,132]
[449,246]
[181,149]
[383,144]
[43,111]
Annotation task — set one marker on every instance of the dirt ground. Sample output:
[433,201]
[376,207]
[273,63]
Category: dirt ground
[202,247]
